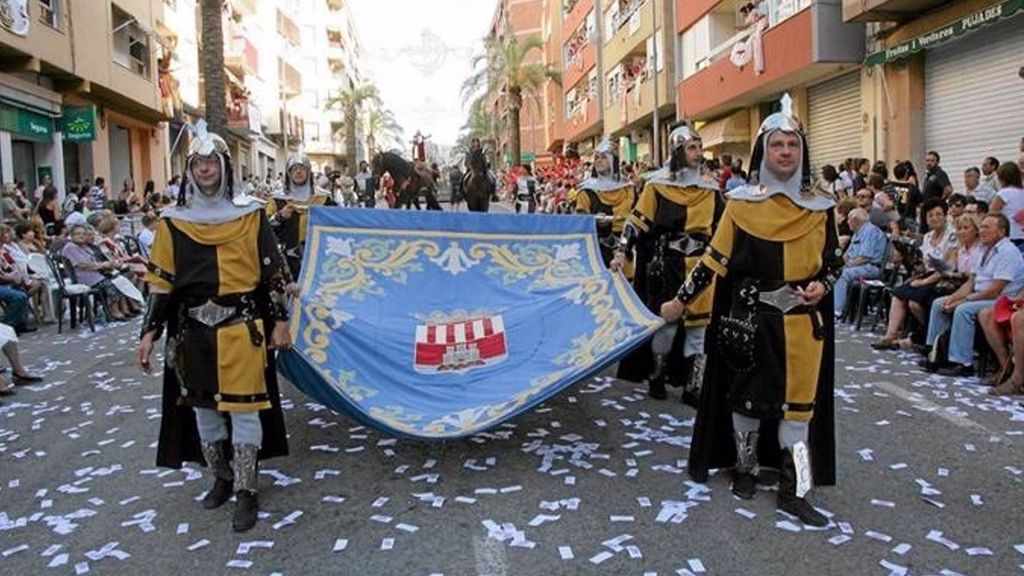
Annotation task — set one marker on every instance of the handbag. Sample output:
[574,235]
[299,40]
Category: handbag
[1004,309]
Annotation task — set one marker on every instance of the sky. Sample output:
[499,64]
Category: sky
[418,52]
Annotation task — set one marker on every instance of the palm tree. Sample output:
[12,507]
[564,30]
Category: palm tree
[211,14]
[382,129]
[506,72]
[351,101]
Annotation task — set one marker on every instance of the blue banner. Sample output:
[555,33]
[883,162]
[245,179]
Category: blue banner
[440,324]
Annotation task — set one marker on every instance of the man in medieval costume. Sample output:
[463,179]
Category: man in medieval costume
[217,285]
[288,209]
[608,197]
[669,229]
[769,381]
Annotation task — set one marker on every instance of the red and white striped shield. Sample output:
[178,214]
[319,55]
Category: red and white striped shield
[460,345]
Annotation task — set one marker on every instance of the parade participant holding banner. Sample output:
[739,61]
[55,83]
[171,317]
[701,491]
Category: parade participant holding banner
[776,256]
[288,209]
[669,228]
[607,196]
[217,283]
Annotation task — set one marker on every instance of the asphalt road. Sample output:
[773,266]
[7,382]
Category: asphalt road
[930,481]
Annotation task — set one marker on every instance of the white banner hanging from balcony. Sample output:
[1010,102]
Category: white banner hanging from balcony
[14,16]
[750,48]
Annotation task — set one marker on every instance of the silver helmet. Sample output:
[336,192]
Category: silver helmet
[205,143]
[783,120]
[296,159]
[681,135]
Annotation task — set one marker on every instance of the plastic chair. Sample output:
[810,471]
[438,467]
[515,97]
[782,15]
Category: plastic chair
[80,297]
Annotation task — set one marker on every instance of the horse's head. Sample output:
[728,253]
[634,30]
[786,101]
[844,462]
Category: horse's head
[377,164]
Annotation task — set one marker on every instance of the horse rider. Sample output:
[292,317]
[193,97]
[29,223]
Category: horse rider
[288,209]
[477,160]
[670,227]
[604,194]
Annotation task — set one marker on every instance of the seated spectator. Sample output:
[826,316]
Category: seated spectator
[957,206]
[863,260]
[9,345]
[15,299]
[114,251]
[977,207]
[1009,201]
[883,208]
[940,244]
[843,209]
[996,335]
[12,255]
[9,204]
[148,233]
[25,236]
[1001,272]
[94,272]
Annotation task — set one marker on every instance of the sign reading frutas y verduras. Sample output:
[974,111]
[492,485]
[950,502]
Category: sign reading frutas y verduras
[965,25]
[79,123]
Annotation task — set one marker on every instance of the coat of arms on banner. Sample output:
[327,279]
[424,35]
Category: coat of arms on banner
[460,343]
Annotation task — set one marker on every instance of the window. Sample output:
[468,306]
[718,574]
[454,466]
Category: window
[131,44]
[49,13]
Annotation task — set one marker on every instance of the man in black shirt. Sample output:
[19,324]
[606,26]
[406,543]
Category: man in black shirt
[936,181]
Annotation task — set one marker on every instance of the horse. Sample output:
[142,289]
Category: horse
[410,183]
[478,189]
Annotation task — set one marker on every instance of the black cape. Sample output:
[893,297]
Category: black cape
[179,435]
[713,445]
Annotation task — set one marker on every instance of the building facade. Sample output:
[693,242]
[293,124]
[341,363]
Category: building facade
[734,65]
[78,93]
[950,78]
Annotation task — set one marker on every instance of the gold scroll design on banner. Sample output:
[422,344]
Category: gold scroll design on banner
[353,275]
[512,265]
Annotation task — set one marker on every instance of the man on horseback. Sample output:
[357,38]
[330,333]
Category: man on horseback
[288,209]
[477,167]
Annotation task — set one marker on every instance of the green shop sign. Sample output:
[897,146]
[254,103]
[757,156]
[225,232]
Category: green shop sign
[79,123]
[25,123]
[965,25]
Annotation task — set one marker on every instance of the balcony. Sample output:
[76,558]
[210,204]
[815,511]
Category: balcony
[335,5]
[886,10]
[583,120]
[572,19]
[630,109]
[288,29]
[798,49]
[290,78]
[633,27]
[246,7]
[241,56]
[245,117]
[577,66]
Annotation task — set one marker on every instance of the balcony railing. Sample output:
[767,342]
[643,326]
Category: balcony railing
[291,79]
[242,56]
[778,11]
[622,17]
[287,28]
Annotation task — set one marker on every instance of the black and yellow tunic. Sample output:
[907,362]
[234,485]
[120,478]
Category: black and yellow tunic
[608,197]
[766,245]
[675,223]
[761,246]
[291,232]
[230,268]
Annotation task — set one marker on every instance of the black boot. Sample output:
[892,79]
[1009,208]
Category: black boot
[247,504]
[788,501]
[744,483]
[656,388]
[693,379]
[217,456]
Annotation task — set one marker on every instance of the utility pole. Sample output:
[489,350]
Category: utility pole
[656,154]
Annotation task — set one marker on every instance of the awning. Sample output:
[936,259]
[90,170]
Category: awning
[966,25]
[732,128]
[556,146]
